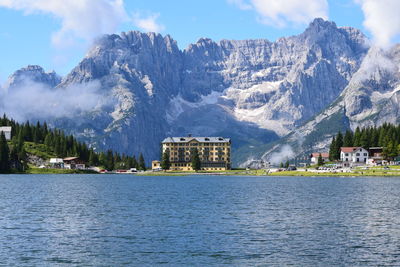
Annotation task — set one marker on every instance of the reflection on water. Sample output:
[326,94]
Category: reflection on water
[106,220]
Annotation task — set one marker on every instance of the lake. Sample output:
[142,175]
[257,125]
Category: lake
[115,220]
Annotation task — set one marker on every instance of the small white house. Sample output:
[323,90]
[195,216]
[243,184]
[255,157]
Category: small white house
[353,155]
[314,157]
[7,131]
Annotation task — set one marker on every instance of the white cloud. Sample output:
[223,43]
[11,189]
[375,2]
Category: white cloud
[80,19]
[148,23]
[382,20]
[284,12]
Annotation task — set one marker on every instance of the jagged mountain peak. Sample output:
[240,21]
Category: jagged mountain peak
[319,24]
[131,39]
[259,88]
[33,73]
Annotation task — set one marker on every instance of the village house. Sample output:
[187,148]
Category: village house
[314,157]
[214,152]
[376,156]
[156,165]
[56,163]
[7,132]
[74,163]
[353,156]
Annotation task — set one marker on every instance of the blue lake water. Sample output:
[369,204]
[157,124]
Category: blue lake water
[116,220]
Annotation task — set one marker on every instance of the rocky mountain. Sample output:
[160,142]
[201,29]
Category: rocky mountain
[255,91]
[371,98]
[33,73]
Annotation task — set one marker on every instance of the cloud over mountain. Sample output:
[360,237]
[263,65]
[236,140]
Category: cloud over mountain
[285,12]
[80,19]
[148,23]
[382,20]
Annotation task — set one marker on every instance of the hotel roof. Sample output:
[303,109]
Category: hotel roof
[198,139]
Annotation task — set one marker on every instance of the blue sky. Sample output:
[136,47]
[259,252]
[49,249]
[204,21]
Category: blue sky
[39,34]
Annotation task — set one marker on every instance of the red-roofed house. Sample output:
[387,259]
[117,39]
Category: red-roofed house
[350,155]
[314,157]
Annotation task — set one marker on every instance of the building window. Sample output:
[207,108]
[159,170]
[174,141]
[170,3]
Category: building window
[365,154]
[357,154]
[346,154]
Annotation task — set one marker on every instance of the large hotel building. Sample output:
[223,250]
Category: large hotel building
[214,152]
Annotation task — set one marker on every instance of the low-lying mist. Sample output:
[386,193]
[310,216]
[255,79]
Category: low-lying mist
[285,153]
[36,101]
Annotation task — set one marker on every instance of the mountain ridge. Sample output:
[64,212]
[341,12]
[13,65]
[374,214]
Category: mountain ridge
[263,90]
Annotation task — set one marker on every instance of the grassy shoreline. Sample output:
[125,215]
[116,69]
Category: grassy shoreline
[283,173]
[373,172]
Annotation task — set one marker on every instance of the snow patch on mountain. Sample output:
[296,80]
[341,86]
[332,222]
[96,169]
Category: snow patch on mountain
[178,104]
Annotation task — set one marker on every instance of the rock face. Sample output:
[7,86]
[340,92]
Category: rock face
[254,91]
[33,73]
[371,98]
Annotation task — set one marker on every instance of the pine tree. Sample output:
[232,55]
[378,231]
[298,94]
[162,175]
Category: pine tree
[375,138]
[109,163]
[92,158]
[165,162]
[142,163]
[332,149]
[348,139]
[320,160]
[338,145]
[196,164]
[4,154]
[135,164]
[357,137]
[364,142]
[102,159]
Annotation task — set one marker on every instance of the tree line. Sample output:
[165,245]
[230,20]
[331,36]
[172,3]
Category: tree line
[386,136]
[13,154]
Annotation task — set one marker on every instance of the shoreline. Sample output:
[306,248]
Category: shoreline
[373,172]
[282,174]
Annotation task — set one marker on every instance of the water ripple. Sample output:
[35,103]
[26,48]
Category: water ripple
[101,220]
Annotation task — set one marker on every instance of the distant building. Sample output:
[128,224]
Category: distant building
[258,164]
[56,163]
[214,152]
[155,165]
[7,131]
[376,156]
[353,155]
[314,157]
[74,163]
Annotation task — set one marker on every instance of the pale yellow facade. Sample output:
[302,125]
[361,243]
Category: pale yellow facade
[214,152]
[155,165]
